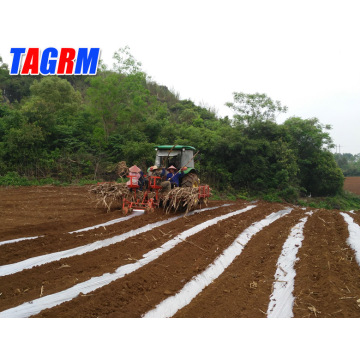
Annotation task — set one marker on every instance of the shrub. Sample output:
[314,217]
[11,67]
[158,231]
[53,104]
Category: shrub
[14,179]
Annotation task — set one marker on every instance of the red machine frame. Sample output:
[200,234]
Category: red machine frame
[144,203]
[150,204]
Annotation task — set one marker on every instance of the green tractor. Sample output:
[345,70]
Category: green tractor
[178,156]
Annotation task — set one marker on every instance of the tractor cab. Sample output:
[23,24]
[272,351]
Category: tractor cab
[178,156]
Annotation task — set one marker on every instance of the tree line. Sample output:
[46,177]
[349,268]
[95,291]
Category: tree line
[79,127]
[348,163]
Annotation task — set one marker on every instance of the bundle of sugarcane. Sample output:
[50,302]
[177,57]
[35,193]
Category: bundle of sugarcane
[109,193]
[113,193]
[186,198]
[122,170]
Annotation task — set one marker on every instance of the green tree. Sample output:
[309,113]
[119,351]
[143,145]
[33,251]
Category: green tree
[14,88]
[125,63]
[349,163]
[52,103]
[311,143]
[21,148]
[250,108]
[121,99]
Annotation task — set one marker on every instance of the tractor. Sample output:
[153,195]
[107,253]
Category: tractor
[179,156]
[189,195]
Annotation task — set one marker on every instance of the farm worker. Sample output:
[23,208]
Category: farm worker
[174,176]
[134,175]
[143,182]
[155,171]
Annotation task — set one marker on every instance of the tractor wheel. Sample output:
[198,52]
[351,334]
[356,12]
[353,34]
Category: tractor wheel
[190,180]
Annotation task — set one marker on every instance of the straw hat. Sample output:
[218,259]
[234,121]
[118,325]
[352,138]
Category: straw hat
[153,168]
[134,169]
[171,167]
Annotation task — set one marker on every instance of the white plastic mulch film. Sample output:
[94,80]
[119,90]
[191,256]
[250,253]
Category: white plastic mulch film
[171,305]
[354,236]
[80,250]
[282,298]
[34,307]
[111,222]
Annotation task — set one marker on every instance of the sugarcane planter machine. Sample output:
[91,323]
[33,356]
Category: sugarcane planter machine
[188,195]
[146,200]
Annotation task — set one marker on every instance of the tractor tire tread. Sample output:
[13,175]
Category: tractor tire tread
[190,180]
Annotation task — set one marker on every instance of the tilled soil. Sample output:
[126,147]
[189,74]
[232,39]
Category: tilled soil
[328,269]
[327,282]
[352,183]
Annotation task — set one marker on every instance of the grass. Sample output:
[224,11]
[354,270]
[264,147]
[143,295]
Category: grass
[231,195]
[345,201]
[14,179]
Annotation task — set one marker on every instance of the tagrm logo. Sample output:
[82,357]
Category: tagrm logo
[53,62]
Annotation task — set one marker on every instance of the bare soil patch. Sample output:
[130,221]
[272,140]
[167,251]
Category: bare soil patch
[352,184]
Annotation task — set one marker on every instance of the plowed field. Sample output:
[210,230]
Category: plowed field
[352,183]
[63,257]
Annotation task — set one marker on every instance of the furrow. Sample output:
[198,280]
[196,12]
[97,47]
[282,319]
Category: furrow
[171,305]
[327,279]
[35,306]
[44,259]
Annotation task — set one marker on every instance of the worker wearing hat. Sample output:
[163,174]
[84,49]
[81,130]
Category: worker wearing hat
[136,177]
[160,172]
[155,171]
[134,174]
[174,176]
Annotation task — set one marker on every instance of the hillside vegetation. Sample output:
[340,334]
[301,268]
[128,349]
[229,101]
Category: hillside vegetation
[79,127]
[349,163]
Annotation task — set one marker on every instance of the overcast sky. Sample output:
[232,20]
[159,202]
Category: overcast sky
[304,53]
